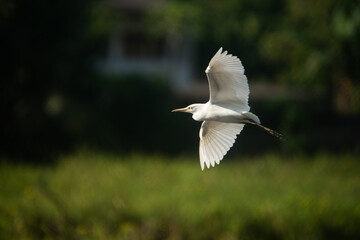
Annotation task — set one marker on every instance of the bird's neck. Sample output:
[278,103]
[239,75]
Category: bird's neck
[200,113]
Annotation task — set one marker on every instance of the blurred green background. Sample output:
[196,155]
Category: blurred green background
[90,150]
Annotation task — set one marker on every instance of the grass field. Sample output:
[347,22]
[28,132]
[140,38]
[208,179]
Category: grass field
[99,196]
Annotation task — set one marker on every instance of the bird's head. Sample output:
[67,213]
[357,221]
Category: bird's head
[189,109]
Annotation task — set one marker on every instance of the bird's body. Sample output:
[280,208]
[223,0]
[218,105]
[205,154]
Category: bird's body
[227,110]
[217,112]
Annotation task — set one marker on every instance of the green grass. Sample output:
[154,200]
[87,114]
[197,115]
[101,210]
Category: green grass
[98,196]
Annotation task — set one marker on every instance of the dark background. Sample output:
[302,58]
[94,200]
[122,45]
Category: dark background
[54,100]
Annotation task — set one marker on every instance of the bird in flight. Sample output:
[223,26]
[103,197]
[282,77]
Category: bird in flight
[227,110]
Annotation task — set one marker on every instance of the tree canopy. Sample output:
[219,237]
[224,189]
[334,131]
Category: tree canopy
[310,43]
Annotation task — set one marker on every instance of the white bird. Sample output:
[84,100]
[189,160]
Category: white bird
[227,110]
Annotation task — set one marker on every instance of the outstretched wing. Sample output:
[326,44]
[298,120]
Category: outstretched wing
[227,82]
[216,138]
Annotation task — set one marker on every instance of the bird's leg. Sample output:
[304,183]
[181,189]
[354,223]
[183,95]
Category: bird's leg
[274,133]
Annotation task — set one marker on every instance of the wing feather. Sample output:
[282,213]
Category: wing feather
[216,138]
[216,153]
[211,153]
[223,141]
[227,81]
[219,145]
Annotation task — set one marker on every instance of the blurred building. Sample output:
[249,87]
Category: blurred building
[132,50]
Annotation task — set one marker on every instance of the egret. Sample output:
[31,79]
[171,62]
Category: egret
[227,111]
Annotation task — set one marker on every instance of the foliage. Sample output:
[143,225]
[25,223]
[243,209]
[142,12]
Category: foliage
[97,196]
[307,43]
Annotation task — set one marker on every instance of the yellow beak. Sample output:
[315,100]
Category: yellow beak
[180,110]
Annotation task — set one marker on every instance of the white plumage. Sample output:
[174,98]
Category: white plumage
[227,110]
[227,81]
[216,138]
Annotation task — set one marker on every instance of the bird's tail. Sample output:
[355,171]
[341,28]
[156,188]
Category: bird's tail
[272,132]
